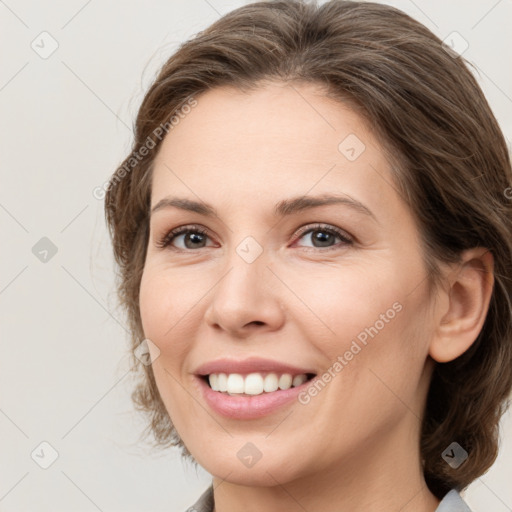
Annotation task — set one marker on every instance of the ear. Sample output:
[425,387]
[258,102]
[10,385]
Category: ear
[466,305]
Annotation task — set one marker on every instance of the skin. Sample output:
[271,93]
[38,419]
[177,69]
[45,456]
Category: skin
[354,446]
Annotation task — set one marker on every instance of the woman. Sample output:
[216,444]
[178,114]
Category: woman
[314,237]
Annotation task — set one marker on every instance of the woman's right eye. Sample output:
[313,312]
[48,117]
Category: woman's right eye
[192,237]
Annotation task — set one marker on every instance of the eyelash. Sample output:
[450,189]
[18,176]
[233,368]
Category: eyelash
[166,240]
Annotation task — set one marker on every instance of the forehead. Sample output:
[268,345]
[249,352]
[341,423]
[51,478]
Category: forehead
[277,140]
[276,118]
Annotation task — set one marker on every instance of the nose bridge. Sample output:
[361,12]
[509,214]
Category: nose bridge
[247,276]
[245,294]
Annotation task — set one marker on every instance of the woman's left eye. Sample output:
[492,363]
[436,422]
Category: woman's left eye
[195,236]
[323,235]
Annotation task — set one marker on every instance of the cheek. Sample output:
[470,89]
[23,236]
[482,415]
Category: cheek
[164,316]
[336,305]
[165,307]
[152,302]
[372,317]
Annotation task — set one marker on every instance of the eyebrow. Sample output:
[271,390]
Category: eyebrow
[283,208]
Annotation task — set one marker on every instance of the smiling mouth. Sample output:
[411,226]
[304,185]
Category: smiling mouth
[256,383]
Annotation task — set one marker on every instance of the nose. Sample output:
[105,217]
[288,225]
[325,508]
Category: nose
[246,299]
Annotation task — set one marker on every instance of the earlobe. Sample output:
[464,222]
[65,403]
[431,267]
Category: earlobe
[469,295]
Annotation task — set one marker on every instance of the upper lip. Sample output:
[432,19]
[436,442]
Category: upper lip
[253,364]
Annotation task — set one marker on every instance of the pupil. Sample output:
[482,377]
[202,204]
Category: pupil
[323,238]
[194,237]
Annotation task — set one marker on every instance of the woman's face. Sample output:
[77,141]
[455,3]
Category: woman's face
[338,289]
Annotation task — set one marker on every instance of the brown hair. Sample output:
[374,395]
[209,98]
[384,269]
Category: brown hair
[450,164]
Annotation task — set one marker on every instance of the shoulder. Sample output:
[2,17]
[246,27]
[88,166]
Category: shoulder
[204,503]
[453,502]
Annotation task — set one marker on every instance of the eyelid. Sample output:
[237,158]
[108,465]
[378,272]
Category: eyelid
[318,226]
[164,241]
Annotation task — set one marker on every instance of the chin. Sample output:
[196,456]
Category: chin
[242,463]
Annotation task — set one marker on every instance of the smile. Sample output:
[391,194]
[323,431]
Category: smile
[255,383]
[247,406]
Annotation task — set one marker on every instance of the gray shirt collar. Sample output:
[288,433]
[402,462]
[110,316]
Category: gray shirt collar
[452,502]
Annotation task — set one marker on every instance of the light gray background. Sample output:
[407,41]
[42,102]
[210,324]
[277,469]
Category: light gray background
[66,125]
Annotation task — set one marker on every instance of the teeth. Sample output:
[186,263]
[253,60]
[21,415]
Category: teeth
[254,383]
[235,383]
[214,382]
[299,379]
[270,383]
[222,382]
[285,381]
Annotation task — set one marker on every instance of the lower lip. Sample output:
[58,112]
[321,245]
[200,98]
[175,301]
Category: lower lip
[248,407]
